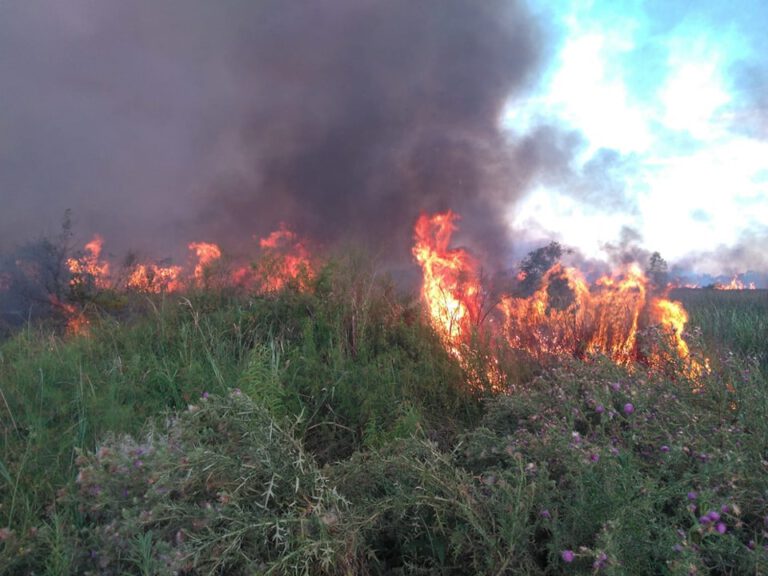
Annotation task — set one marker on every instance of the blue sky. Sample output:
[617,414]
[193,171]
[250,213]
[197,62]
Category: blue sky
[666,102]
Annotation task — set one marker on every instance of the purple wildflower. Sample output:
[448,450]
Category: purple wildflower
[714,516]
[545,514]
[205,396]
[629,408]
[567,556]
[664,448]
[599,408]
[724,509]
[704,520]
[594,457]
[693,495]
[615,386]
[721,527]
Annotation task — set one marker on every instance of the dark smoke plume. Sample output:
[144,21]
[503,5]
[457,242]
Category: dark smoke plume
[163,121]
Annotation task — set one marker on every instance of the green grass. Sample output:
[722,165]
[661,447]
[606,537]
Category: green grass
[729,320]
[329,432]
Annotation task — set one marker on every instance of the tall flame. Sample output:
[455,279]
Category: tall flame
[451,288]
[207,253]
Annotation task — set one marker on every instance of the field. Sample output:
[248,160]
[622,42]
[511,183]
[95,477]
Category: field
[328,430]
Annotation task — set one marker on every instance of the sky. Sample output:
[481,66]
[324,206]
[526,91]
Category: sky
[599,124]
[669,101]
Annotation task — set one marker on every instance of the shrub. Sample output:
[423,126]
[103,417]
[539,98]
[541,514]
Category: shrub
[218,489]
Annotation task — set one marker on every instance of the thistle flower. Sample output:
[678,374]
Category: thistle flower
[721,527]
[629,408]
[567,556]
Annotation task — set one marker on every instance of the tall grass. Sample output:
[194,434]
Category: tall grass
[729,320]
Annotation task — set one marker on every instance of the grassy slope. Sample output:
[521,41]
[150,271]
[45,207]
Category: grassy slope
[428,480]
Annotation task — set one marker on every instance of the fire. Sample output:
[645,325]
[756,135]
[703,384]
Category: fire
[735,284]
[451,288]
[207,253]
[89,268]
[565,316]
[155,279]
[284,260]
[605,318]
[77,322]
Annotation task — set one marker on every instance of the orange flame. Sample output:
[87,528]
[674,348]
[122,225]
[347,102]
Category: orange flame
[451,288]
[735,284]
[154,279]
[207,253]
[284,260]
[565,316]
[603,319]
[77,322]
[90,267]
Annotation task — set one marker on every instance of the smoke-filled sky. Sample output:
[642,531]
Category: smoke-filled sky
[160,122]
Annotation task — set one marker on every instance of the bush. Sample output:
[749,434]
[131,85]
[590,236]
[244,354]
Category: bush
[219,489]
[415,512]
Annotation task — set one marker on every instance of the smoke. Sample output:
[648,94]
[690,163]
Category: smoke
[159,123]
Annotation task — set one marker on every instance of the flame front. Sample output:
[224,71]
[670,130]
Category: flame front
[605,318]
[735,284]
[450,288]
[566,315]
[154,279]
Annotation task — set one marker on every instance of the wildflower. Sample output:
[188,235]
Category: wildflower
[594,457]
[704,520]
[615,386]
[599,408]
[677,548]
[693,495]
[205,395]
[138,463]
[567,556]
[714,516]
[600,562]
[545,514]
[721,528]
[724,509]
[629,408]
[664,448]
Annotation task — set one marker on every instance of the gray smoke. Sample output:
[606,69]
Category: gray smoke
[163,121]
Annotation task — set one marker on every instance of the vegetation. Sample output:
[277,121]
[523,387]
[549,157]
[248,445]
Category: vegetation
[326,430]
